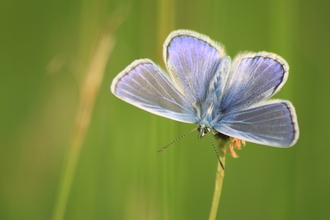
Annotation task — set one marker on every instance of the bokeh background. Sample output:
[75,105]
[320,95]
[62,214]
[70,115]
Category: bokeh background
[47,49]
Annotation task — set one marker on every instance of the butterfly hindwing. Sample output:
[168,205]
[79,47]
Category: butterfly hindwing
[272,123]
[146,86]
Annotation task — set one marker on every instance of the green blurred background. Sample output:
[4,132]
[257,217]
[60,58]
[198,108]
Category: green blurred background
[45,50]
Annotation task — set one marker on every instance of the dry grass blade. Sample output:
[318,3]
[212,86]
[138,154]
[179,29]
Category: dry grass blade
[89,90]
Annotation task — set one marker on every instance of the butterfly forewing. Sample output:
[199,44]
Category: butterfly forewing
[254,77]
[192,60]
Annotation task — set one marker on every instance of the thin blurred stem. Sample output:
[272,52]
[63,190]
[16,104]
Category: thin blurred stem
[166,12]
[89,91]
[166,18]
[222,140]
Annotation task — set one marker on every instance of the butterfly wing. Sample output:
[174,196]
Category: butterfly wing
[254,77]
[272,123]
[146,86]
[192,60]
[245,114]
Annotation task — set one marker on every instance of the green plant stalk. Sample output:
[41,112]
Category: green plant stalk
[220,174]
[166,20]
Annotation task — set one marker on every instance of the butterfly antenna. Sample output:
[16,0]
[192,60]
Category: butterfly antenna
[216,152]
[189,132]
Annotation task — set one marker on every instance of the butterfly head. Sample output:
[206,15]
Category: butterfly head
[203,130]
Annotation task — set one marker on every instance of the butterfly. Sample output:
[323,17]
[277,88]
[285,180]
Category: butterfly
[203,86]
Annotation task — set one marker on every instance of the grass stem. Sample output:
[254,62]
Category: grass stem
[220,173]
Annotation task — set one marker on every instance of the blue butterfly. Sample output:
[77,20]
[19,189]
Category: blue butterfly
[203,86]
